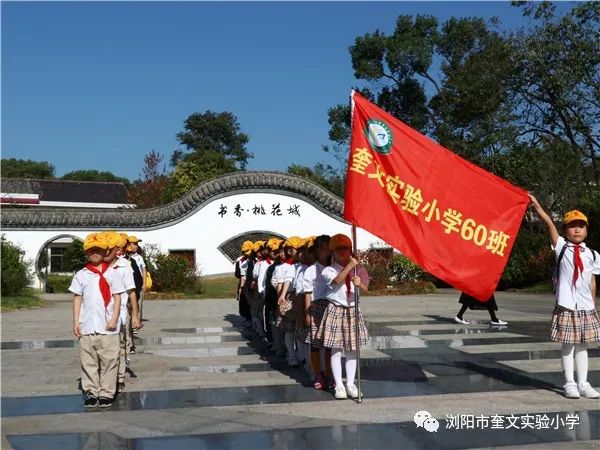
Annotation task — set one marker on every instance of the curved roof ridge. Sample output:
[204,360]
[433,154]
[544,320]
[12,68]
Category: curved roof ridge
[171,213]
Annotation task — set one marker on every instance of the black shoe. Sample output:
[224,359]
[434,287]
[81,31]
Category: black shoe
[120,387]
[104,402]
[132,350]
[90,401]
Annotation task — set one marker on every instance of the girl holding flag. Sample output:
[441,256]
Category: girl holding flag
[575,321]
[337,330]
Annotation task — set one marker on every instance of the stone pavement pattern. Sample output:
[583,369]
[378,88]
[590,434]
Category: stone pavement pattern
[205,382]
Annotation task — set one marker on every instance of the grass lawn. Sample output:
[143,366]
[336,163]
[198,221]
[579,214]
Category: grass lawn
[29,298]
[219,287]
[543,287]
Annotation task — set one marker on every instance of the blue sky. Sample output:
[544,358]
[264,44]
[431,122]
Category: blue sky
[98,85]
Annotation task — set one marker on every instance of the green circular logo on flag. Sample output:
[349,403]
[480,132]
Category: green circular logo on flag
[379,136]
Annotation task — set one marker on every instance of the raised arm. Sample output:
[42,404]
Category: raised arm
[552,231]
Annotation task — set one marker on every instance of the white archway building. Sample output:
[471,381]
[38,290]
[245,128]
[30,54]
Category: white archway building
[209,223]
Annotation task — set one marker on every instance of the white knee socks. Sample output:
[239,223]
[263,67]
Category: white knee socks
[581,362]
[336,366]
[350,367]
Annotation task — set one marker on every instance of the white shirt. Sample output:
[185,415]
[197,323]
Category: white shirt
[260,274]
[243,266]
[315,283]
[578,296]
[299,278]
[124,269]
[93,316]
[140,261]
[283,273]
[338,294]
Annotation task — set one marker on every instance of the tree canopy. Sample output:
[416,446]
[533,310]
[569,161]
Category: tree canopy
[92,175]
[26,168]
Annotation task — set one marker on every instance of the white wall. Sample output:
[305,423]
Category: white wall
[205,230]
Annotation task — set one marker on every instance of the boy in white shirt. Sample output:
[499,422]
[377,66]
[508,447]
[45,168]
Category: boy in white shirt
[96,307]
[575,321]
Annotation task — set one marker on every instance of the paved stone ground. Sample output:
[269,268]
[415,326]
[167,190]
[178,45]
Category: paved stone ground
[205,382]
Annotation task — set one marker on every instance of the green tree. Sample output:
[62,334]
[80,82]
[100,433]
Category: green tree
[92,175]
[26,168]
[323,175]
[15,269]
[74,257]
[189,174]
[148,191]
[216,137]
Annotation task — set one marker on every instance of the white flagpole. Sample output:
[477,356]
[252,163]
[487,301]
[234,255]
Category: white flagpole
[356,298]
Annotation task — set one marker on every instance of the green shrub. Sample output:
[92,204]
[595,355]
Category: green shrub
[74,258]
[58,284]
[173,274]
[405,270]
[531,261]
[15,269]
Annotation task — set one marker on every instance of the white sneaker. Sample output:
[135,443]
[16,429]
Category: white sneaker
[463,321]
[571,390]
[340,392]
[499,322]
[586,390]
[352,391]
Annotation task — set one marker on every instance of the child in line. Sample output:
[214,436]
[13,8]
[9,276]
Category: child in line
[116,243]
[273,335]
[338,327]
[575,322]
[241,272]
[307,259]
[259,251]
[283,277]
[96,306]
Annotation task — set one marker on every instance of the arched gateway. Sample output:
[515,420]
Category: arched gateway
[208,224]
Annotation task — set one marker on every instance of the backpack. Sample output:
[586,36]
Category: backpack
[556,272]
[148,281]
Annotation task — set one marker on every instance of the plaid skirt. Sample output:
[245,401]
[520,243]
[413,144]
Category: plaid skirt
[574,327]
[306,334]
[286,314]
[338,328]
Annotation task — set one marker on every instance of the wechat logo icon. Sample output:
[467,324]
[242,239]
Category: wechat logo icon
[423,419]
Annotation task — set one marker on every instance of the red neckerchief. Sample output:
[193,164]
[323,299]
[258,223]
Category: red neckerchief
[244,258]
[104,286]
[577,263]
[290,261]
[268,260]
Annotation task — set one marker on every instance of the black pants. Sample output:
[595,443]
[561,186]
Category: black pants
[244,306]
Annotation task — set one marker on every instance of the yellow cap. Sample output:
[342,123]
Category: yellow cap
[258,245]
[133,239]
[274,243]
[247,247]
[339,240]
[95,240]
[309,241]
[293,241]
[574,215]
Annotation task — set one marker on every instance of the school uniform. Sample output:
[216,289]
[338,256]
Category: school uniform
[260,275]
[123,267]
[286,314]
[337,329]
[98,347]
[313,282]
[141,264]
[575,319]
[243,306]
[271,300]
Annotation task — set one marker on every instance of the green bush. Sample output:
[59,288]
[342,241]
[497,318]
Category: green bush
[58,284]
[74,258]
[405,270]
[173,274]
[15,269]
[531,261]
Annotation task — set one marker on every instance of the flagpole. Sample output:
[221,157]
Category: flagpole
[356,298]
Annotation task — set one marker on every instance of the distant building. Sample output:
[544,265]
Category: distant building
[63,193]
[207,226]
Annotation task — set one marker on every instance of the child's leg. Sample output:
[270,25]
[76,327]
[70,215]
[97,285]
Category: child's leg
[336,365]
[90,380]
[315,360]
[463,308]
[290,339]
[581,362]
[350,367]
[567,362]
[108,353]
[122,354]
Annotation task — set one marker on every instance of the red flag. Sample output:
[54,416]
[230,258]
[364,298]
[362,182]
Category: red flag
[454,219]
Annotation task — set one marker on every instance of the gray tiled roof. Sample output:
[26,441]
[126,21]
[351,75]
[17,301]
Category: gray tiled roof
[68,190]
[159,217]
